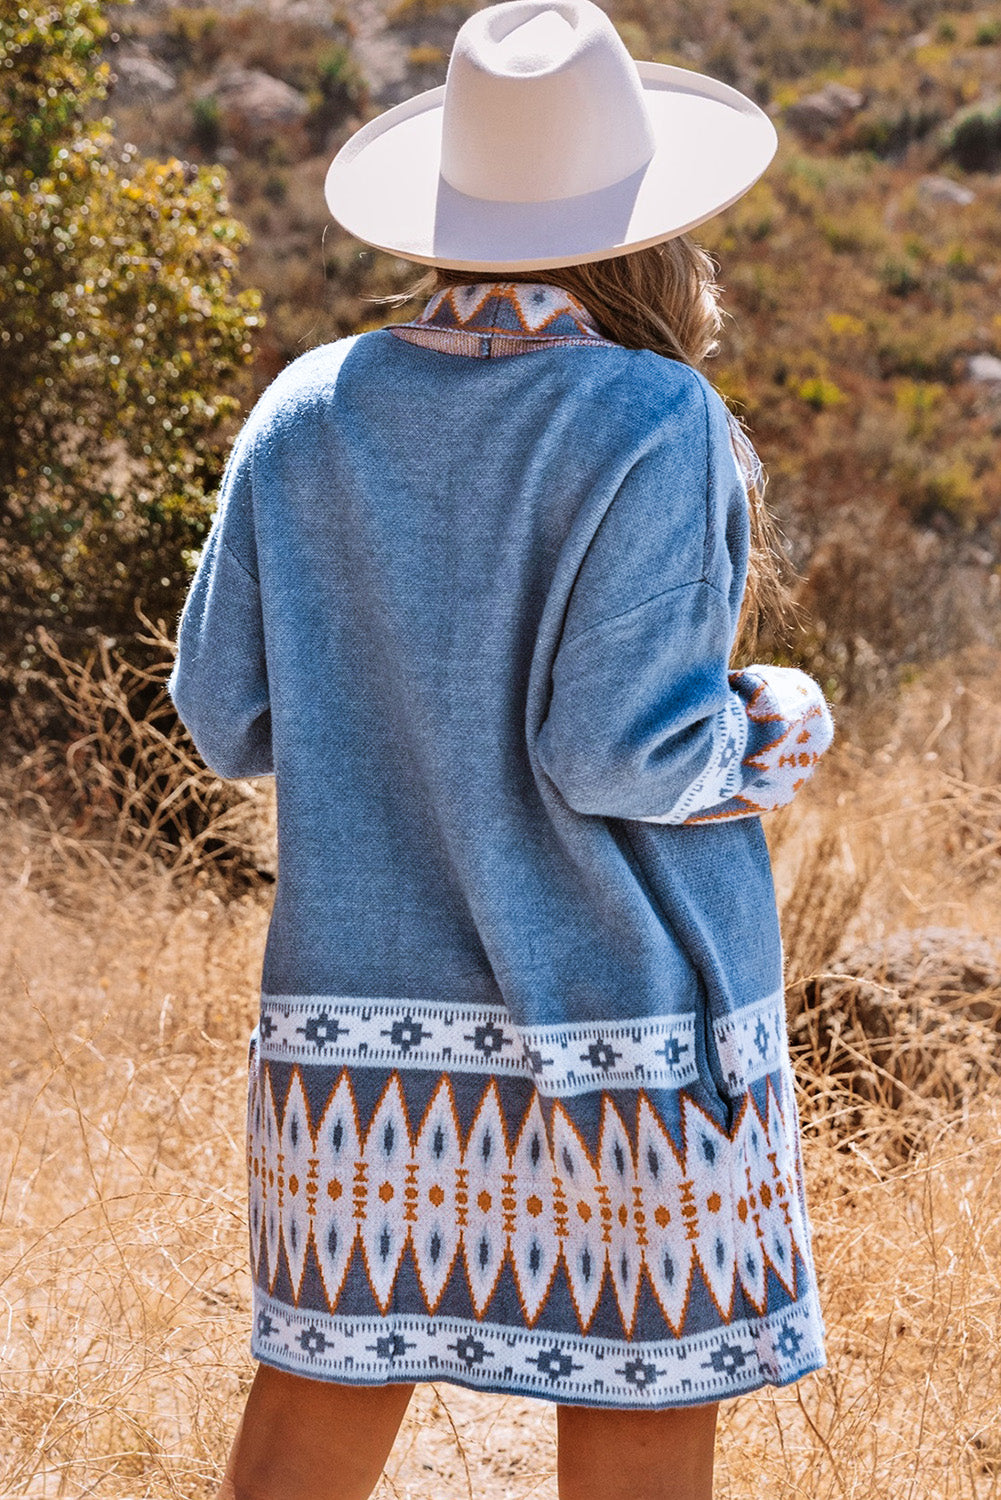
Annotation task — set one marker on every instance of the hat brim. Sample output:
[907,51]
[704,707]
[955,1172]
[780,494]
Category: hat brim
[384,186]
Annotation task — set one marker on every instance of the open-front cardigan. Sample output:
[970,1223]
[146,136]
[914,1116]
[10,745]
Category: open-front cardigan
[475,613]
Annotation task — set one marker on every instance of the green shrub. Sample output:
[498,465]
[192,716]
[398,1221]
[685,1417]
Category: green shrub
[340,80]
[206,124]
[900,275]
[340,89]
[121,334]
[974,140]
[194,36]
[887,130]
[275,187]
[820,393]
[941,488]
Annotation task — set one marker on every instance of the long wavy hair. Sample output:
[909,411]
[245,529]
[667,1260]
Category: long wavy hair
[667,298]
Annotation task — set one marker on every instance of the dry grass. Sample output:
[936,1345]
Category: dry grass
[129,993]
[125,789]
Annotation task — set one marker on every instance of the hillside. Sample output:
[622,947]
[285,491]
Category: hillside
[862,273]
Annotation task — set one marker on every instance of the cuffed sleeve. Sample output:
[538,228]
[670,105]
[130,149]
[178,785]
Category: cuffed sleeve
[789,727]
[646,722]
[219,683]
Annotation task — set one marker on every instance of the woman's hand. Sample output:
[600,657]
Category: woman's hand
[789,728]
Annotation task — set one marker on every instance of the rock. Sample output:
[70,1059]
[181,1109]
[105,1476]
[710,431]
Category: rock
[906,1023]
[139,77]
[256,99]
[943,963]
[820,114]
[984,368]
[945,190]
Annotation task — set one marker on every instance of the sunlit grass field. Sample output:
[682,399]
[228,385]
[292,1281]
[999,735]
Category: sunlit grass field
[128,995]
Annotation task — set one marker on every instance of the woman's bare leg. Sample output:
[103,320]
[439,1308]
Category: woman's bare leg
[302,1439]
[636,1455]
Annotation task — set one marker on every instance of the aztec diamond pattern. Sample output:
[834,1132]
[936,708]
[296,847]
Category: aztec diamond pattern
[500,318]
[641,1207]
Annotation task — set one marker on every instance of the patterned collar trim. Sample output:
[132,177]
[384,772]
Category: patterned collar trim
[489,318]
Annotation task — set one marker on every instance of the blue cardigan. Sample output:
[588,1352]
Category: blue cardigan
[476,616]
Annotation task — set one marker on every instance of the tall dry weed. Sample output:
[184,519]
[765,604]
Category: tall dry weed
[123,1266]
[123,788]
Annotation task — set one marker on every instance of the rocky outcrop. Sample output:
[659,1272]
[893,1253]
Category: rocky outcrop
[934,189]
[820,114]
[138,77]
[255,100]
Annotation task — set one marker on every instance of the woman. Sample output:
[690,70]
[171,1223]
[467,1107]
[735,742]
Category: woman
[521,1112]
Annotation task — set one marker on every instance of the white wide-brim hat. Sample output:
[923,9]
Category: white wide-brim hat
[547,146]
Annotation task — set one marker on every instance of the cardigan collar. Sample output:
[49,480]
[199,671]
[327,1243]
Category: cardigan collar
[488,318]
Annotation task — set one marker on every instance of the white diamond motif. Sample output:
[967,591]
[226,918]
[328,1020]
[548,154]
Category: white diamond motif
[534,1245]
[384,1231]
[337,1148]
[434,1228]
[638,1204]
[483,1186]
[583,1248]
[296,1146]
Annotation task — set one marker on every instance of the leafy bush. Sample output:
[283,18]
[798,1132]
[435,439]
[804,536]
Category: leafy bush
[121,331]
[194,37]
[900,275]
[820,393]
[974,140]
[340,89]
[887,130]
[206,123]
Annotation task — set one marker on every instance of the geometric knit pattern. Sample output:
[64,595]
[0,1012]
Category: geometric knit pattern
[563,1060]
[790,728]
[487,319]
[721,778]
[452,1219]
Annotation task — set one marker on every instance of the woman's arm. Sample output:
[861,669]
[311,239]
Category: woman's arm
[219,683]
[787,727]
[645,720]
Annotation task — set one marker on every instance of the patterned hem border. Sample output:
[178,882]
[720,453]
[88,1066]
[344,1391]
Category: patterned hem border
[571,1369]
[562,1061]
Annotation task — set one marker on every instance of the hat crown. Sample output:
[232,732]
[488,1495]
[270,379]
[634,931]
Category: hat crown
[542,102]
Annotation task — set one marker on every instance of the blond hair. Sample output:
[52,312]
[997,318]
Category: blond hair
[667,298]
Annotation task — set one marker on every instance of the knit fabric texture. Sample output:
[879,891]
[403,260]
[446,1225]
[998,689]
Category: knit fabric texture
[520,1112]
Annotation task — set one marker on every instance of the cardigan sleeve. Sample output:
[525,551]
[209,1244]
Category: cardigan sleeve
[219,682]
[645,718]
